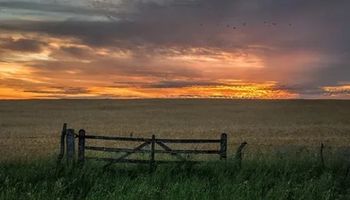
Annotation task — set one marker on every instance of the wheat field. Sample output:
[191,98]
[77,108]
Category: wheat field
[31,129]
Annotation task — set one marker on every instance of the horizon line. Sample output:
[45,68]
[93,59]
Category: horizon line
[261,99]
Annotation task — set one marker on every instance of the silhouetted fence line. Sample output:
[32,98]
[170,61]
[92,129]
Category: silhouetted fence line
[68,137]
[68,145]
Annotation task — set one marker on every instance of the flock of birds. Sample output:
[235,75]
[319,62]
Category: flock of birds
[245,24]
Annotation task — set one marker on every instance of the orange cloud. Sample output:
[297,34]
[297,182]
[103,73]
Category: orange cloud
[340,91]
[68,68]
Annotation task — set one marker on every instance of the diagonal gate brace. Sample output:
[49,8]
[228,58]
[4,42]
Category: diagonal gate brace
[128,153]
[169,150]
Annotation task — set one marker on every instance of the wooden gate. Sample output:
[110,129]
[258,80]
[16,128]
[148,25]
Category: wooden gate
[151,143]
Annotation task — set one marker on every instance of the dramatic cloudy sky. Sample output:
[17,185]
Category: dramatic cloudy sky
[174,49]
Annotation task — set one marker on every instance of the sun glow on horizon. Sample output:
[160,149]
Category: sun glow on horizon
[236,90]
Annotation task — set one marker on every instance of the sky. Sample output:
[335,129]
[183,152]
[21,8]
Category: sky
[254,49]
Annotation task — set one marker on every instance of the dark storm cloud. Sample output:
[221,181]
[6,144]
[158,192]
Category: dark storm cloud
[50,7]
[320,25]
[75,51]
[339,71]
[109,66]
[61,90]
[165,24]
[25,45]
[72,52]
[303,90]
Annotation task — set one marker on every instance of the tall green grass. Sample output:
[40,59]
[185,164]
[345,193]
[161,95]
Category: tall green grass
[263,178]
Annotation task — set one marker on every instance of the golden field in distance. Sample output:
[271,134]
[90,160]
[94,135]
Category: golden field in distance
[31,128]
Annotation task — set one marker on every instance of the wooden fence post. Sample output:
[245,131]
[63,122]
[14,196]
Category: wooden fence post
[321,155]
[152,161]
[81,146]
[63,135]
[223,146]
[239,153]
[70,146]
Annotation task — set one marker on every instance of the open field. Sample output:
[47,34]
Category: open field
[30,129]
[292,130]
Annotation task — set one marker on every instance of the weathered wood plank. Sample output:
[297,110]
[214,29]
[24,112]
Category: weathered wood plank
[81,146]
[97,137]
[190,151]
[152,159]
[239,153]
[112,160]
[321,156]
[223,146]
[171,151]
[63,136]
[177,162]
[187,141]
[110,149]
[70,146]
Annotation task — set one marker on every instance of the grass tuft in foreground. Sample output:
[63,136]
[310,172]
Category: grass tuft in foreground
[269,179]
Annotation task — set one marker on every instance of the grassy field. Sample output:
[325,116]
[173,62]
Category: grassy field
[270,179]
[280,162]
[289,178]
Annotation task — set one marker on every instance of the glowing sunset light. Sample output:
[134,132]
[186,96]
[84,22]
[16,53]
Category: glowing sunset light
[8,69]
